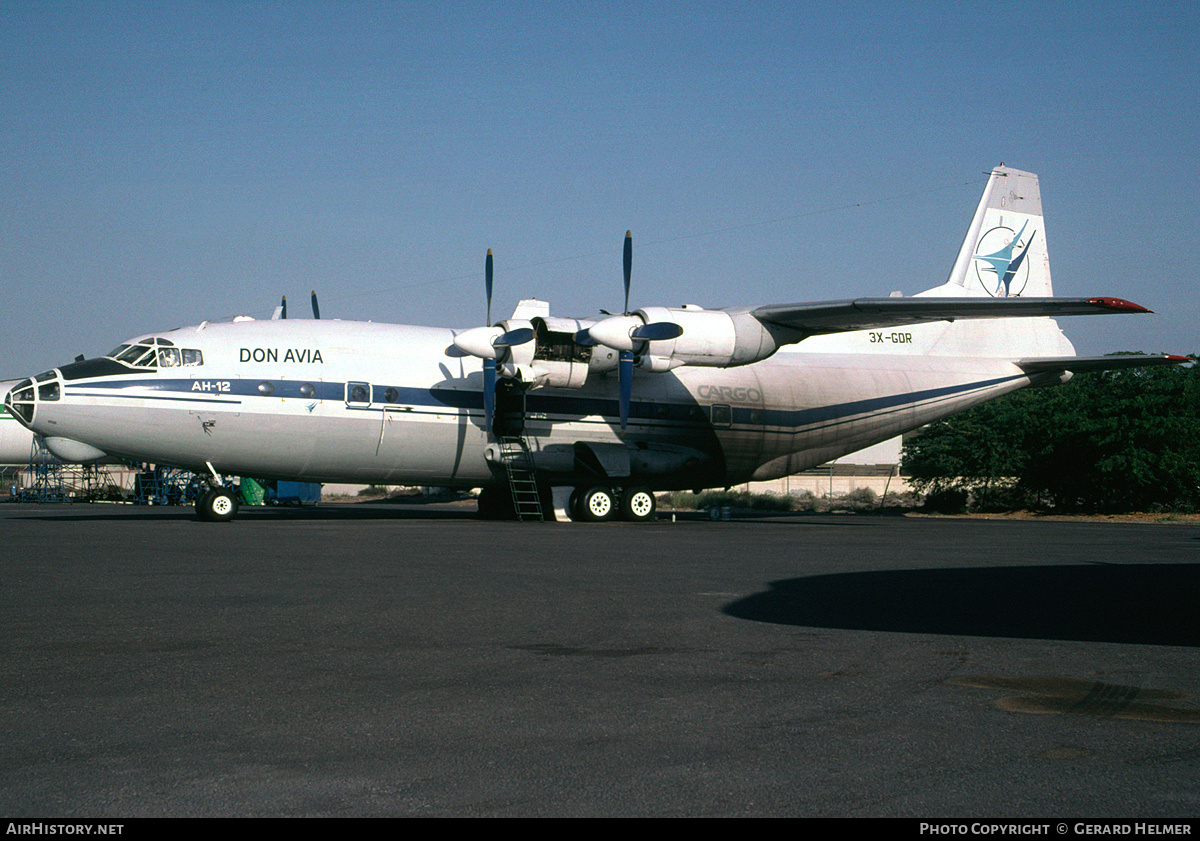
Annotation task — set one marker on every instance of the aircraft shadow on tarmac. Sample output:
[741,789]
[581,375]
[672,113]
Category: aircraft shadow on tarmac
[1149,604]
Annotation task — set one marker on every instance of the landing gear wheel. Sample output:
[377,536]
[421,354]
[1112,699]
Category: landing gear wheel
[201,500]
[638,505]
[596,505]
[218,505]
[495,505]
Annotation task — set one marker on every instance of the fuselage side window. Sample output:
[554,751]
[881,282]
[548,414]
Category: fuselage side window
[191,356]
[358,393]
[168,357]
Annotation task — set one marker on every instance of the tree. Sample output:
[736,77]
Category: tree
[1126,440]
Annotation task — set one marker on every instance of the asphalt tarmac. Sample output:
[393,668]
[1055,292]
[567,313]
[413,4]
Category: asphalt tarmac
[382,660]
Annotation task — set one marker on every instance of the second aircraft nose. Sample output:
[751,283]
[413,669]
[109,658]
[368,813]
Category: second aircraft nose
[23,399]
[20,401]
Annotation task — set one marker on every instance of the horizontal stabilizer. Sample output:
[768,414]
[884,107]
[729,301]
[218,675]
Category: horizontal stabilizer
[1082,364]
[823,317]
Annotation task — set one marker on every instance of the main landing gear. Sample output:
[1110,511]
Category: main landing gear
[217,505]
[600,503]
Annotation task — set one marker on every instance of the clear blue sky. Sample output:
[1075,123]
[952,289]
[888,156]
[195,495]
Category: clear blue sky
[165,163]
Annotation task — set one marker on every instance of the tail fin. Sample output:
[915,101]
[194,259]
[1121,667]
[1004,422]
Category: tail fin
[1004,253]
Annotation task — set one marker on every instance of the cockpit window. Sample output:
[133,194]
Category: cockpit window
[139,356]
[156,353]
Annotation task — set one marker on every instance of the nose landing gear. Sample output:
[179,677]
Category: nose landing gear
[217,505]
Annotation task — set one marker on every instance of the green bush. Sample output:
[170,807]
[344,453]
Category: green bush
[1115,441]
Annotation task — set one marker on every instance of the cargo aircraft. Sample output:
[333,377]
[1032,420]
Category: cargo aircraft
[588,417]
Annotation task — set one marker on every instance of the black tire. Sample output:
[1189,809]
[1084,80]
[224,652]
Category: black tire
[201,500]
[217,506]
[597,505]
[638,505]
[496,504]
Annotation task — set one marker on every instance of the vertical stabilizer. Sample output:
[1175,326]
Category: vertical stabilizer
[1004,253]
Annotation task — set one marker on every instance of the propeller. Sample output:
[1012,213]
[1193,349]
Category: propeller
[491,344]
[628,335]
[625,360]
[489,362]
[627,264]
[487,283]
[281,310]
[315,308]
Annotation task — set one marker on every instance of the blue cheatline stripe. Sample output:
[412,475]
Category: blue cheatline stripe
[840,411]
[562,406]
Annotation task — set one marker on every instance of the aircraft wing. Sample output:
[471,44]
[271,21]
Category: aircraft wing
[1080,364]
[822,317]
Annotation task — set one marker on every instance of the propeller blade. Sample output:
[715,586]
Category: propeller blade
[657,331]
[583,337]
[487,282]
[283,307]
[316,309]
[489,392]
[625,383]
[627,262]
[513,337]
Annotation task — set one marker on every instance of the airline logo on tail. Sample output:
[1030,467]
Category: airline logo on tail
[1000,261]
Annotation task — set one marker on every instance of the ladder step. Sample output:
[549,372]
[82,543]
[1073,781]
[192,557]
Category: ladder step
[522,483]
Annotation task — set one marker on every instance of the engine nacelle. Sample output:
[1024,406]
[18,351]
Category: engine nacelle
[553,359]
[542,373]
[516,357]
[710,338]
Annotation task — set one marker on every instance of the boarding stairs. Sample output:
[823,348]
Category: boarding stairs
[522,481]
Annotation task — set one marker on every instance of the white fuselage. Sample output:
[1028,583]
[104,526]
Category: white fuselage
[330,401]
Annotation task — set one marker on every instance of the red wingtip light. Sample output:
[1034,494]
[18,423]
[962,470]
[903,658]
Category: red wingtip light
[1118,305]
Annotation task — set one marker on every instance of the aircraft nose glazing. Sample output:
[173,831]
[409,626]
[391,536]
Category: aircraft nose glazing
[22,400]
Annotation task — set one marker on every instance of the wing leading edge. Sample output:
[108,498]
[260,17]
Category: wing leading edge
[824,317]
[1082,364]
